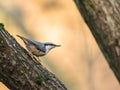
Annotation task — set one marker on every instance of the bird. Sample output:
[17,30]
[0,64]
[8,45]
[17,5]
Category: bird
[38,48]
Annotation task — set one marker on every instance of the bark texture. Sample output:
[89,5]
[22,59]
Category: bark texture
[103,19]
[19,71]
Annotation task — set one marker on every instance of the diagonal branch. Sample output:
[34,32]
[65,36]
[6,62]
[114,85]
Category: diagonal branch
[19,71]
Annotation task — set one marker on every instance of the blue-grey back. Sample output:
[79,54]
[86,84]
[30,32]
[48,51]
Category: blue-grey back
[39,45]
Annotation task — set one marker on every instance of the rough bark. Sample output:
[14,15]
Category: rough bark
[19,71]
[103,19]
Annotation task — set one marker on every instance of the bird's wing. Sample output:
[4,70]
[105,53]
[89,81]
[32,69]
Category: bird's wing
[40,46]
[32,43]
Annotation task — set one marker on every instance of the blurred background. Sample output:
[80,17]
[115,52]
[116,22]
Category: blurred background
[78,63]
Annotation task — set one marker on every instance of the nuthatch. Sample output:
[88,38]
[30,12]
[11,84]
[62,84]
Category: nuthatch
[38,48]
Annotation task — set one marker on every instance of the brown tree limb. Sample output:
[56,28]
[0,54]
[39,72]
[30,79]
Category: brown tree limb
[19,71]
[103,19]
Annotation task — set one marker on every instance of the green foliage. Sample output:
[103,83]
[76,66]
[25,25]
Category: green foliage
[47,78]
[39,80]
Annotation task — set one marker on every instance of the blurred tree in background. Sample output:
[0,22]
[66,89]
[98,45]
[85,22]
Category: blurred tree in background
[103,20]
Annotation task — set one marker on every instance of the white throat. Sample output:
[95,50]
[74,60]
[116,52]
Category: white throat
[48,48]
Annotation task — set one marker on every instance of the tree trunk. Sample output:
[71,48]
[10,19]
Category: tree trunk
[103,19]
[19,71]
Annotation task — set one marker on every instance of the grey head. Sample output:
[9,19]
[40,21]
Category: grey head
[44,47]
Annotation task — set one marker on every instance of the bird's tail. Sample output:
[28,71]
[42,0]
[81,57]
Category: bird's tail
[26,41]
[21,37]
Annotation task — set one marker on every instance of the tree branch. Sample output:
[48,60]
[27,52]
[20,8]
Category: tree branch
[19,71]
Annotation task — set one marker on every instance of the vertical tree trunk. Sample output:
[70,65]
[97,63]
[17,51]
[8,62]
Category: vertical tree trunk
[103,19]
[19,71]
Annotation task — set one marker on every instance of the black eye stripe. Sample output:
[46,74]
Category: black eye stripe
[50,44]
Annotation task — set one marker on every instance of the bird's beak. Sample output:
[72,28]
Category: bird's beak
[57,45]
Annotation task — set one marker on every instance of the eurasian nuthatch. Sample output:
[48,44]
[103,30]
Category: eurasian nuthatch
[38,48]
